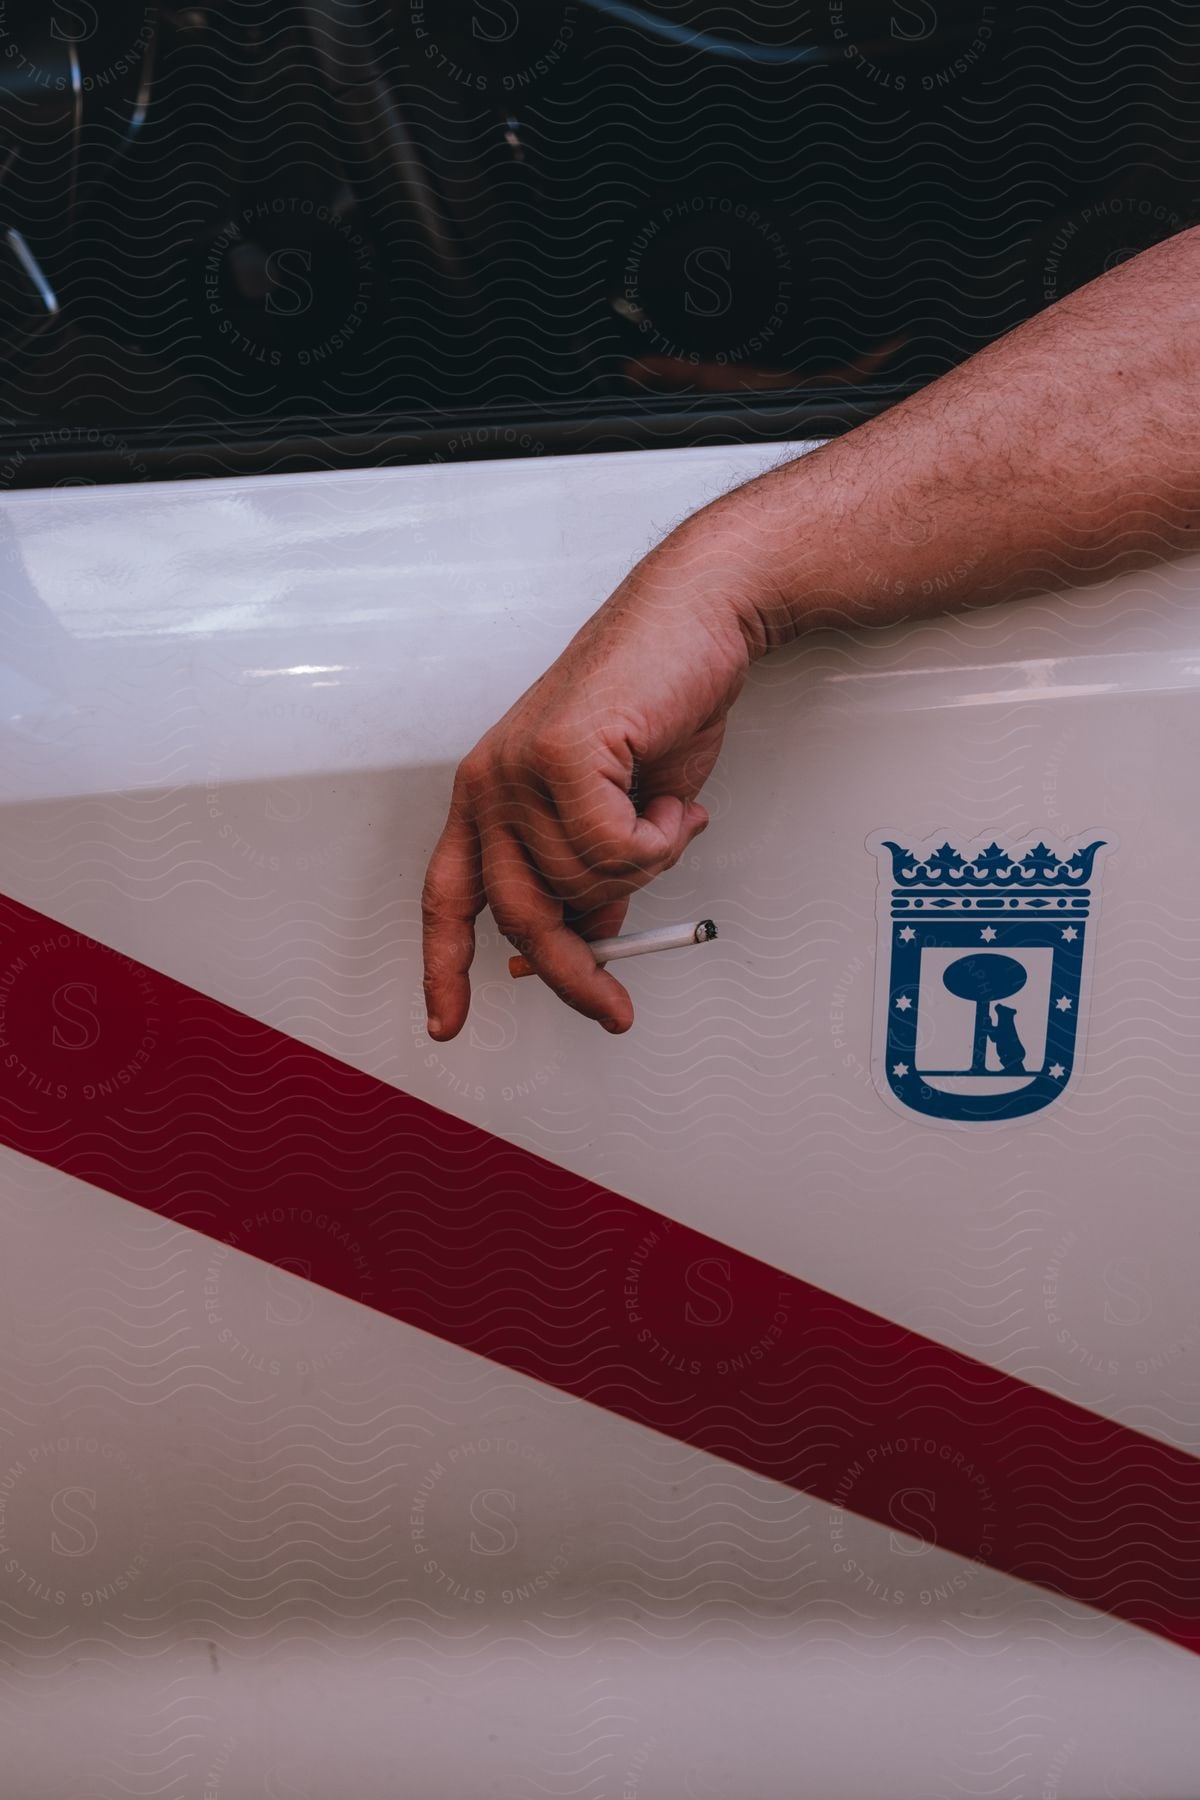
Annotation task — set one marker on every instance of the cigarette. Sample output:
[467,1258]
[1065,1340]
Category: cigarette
[637,943]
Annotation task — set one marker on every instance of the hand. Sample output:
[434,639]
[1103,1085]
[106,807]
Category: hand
[542,827]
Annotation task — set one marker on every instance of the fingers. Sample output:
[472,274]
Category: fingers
[601,922]
[557,870]
[665,828]
[598,821]
[594,850]
[531,917]
[452,899]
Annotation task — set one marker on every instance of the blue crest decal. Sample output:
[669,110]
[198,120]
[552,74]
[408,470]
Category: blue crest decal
[982,963]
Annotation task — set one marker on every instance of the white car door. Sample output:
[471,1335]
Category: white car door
[260,1537]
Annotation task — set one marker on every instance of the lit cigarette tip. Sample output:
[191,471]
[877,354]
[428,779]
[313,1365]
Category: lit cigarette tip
[636,943]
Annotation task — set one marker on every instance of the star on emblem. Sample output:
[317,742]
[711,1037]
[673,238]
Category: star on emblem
[1063,1005]
[988,934]
[899,1068]
[903,1003]
[907,935]
[1070,934]
[1057,1070]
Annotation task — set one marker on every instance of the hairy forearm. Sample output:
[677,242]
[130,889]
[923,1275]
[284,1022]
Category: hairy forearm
[1065,452]
[1060,454]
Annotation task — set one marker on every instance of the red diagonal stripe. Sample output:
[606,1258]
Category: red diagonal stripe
[122,1077]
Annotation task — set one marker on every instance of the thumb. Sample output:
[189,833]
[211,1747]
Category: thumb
[666,826]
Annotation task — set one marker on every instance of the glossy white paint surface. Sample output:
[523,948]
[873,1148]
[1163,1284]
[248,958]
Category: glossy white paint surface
[230,713]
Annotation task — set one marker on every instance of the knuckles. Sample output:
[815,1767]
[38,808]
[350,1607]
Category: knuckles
[553,752]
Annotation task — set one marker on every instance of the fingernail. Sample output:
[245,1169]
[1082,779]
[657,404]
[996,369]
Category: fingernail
[434,1023]
[610,1025]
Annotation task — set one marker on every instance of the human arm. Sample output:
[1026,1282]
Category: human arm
[1063,453]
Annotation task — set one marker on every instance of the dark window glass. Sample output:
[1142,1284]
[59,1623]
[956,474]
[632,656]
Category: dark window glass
[245,234]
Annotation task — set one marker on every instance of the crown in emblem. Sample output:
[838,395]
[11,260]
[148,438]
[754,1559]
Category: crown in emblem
[1040,870]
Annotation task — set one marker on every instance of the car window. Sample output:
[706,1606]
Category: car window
[244,238]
